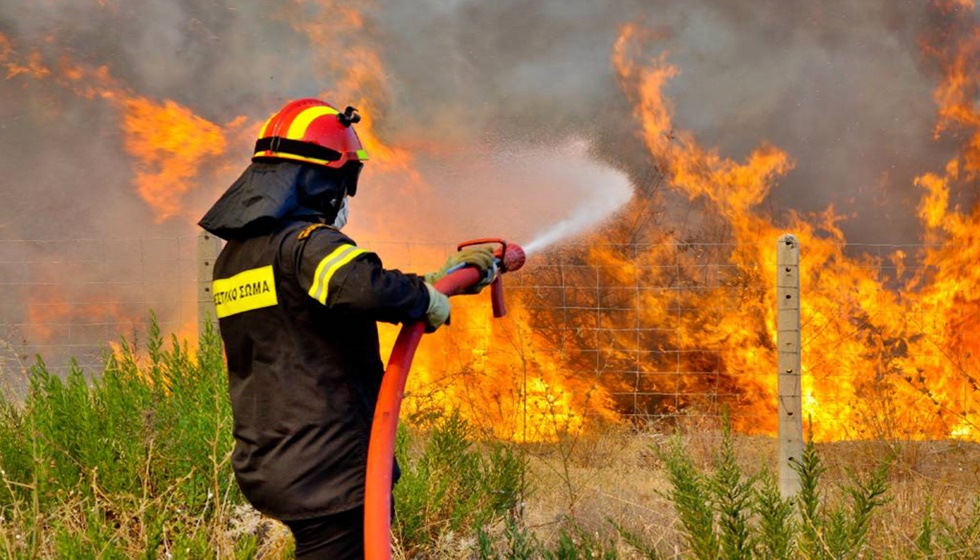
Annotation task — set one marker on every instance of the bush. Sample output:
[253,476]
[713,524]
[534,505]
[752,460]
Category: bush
[728,514]
[131,463]
[453,487]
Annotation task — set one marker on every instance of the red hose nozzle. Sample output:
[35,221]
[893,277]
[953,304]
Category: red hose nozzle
[511,257]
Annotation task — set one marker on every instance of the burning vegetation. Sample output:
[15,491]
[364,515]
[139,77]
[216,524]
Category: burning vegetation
[667,307]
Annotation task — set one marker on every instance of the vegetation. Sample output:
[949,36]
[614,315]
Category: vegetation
[134,463]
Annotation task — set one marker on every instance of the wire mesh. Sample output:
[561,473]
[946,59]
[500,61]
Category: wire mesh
[654,333]
[66,300]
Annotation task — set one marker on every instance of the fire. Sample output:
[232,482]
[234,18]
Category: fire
[497,373]
[353,63]
[172,150]
[877,362]
[58,316]
[957,92]
[170,144]
[502,376]
[31,65]
[888,347]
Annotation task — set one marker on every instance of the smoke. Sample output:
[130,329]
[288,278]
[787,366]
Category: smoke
[523,192]
[484,96]
[842,89]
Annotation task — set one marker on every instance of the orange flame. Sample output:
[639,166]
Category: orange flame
[876,362]
[32,66]
[52,314]
[502,376]
[344,52]
[957,92]
[497,373]
[170,144]
[885,353]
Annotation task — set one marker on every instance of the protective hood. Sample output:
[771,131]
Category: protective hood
[271,194]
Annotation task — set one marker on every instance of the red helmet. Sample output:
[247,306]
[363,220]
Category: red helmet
[312,131]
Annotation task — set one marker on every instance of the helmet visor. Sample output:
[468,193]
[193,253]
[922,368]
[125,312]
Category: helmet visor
[351,171]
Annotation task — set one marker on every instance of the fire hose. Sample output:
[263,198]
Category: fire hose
[381,449]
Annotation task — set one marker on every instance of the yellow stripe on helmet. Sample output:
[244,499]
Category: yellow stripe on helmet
[287,155]
[265,128]
[297,129]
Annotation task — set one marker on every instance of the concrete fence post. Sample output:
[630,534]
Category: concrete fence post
[208,247]
[788,361]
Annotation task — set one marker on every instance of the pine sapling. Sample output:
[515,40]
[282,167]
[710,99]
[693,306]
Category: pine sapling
[691,495]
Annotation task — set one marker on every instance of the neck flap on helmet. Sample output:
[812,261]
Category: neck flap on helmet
[270,194]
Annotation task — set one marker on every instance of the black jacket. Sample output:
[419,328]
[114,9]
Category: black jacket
[297,309]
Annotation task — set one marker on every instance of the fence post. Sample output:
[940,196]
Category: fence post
[788,361]
[208,247]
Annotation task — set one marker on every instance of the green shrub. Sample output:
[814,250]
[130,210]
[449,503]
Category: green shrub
[961,540]
[728,514]
[133,462]
[517,542]
[454,486]
[839,530]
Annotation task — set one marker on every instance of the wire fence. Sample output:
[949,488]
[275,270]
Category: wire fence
[66,300]
[647,332]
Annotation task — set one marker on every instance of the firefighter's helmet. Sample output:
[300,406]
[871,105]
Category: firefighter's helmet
[311,131]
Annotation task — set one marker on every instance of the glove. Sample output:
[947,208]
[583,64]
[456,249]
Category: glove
[480,257]
[438,312]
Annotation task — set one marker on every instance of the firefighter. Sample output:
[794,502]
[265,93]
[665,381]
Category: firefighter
[297,303]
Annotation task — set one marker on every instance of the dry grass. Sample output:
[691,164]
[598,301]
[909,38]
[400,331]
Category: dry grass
[617,474]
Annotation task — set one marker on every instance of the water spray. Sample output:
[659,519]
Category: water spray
[552,235]
[586,215]
[381,450]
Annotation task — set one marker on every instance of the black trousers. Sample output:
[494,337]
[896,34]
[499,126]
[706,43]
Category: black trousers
[339,536]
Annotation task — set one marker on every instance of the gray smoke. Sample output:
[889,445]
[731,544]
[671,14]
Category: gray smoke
[842,87]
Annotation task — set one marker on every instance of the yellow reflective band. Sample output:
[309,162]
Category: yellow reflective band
[265,128]
[245,291]
[328,267]
[297,129]
[362,155]
[282,155]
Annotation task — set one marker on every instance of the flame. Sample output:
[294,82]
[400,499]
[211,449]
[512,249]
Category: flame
[888,347]
[29,66]
[502,376]
[957,91]
[344,53]
[170,143]
[876,362]
[498,374]
[53,313]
